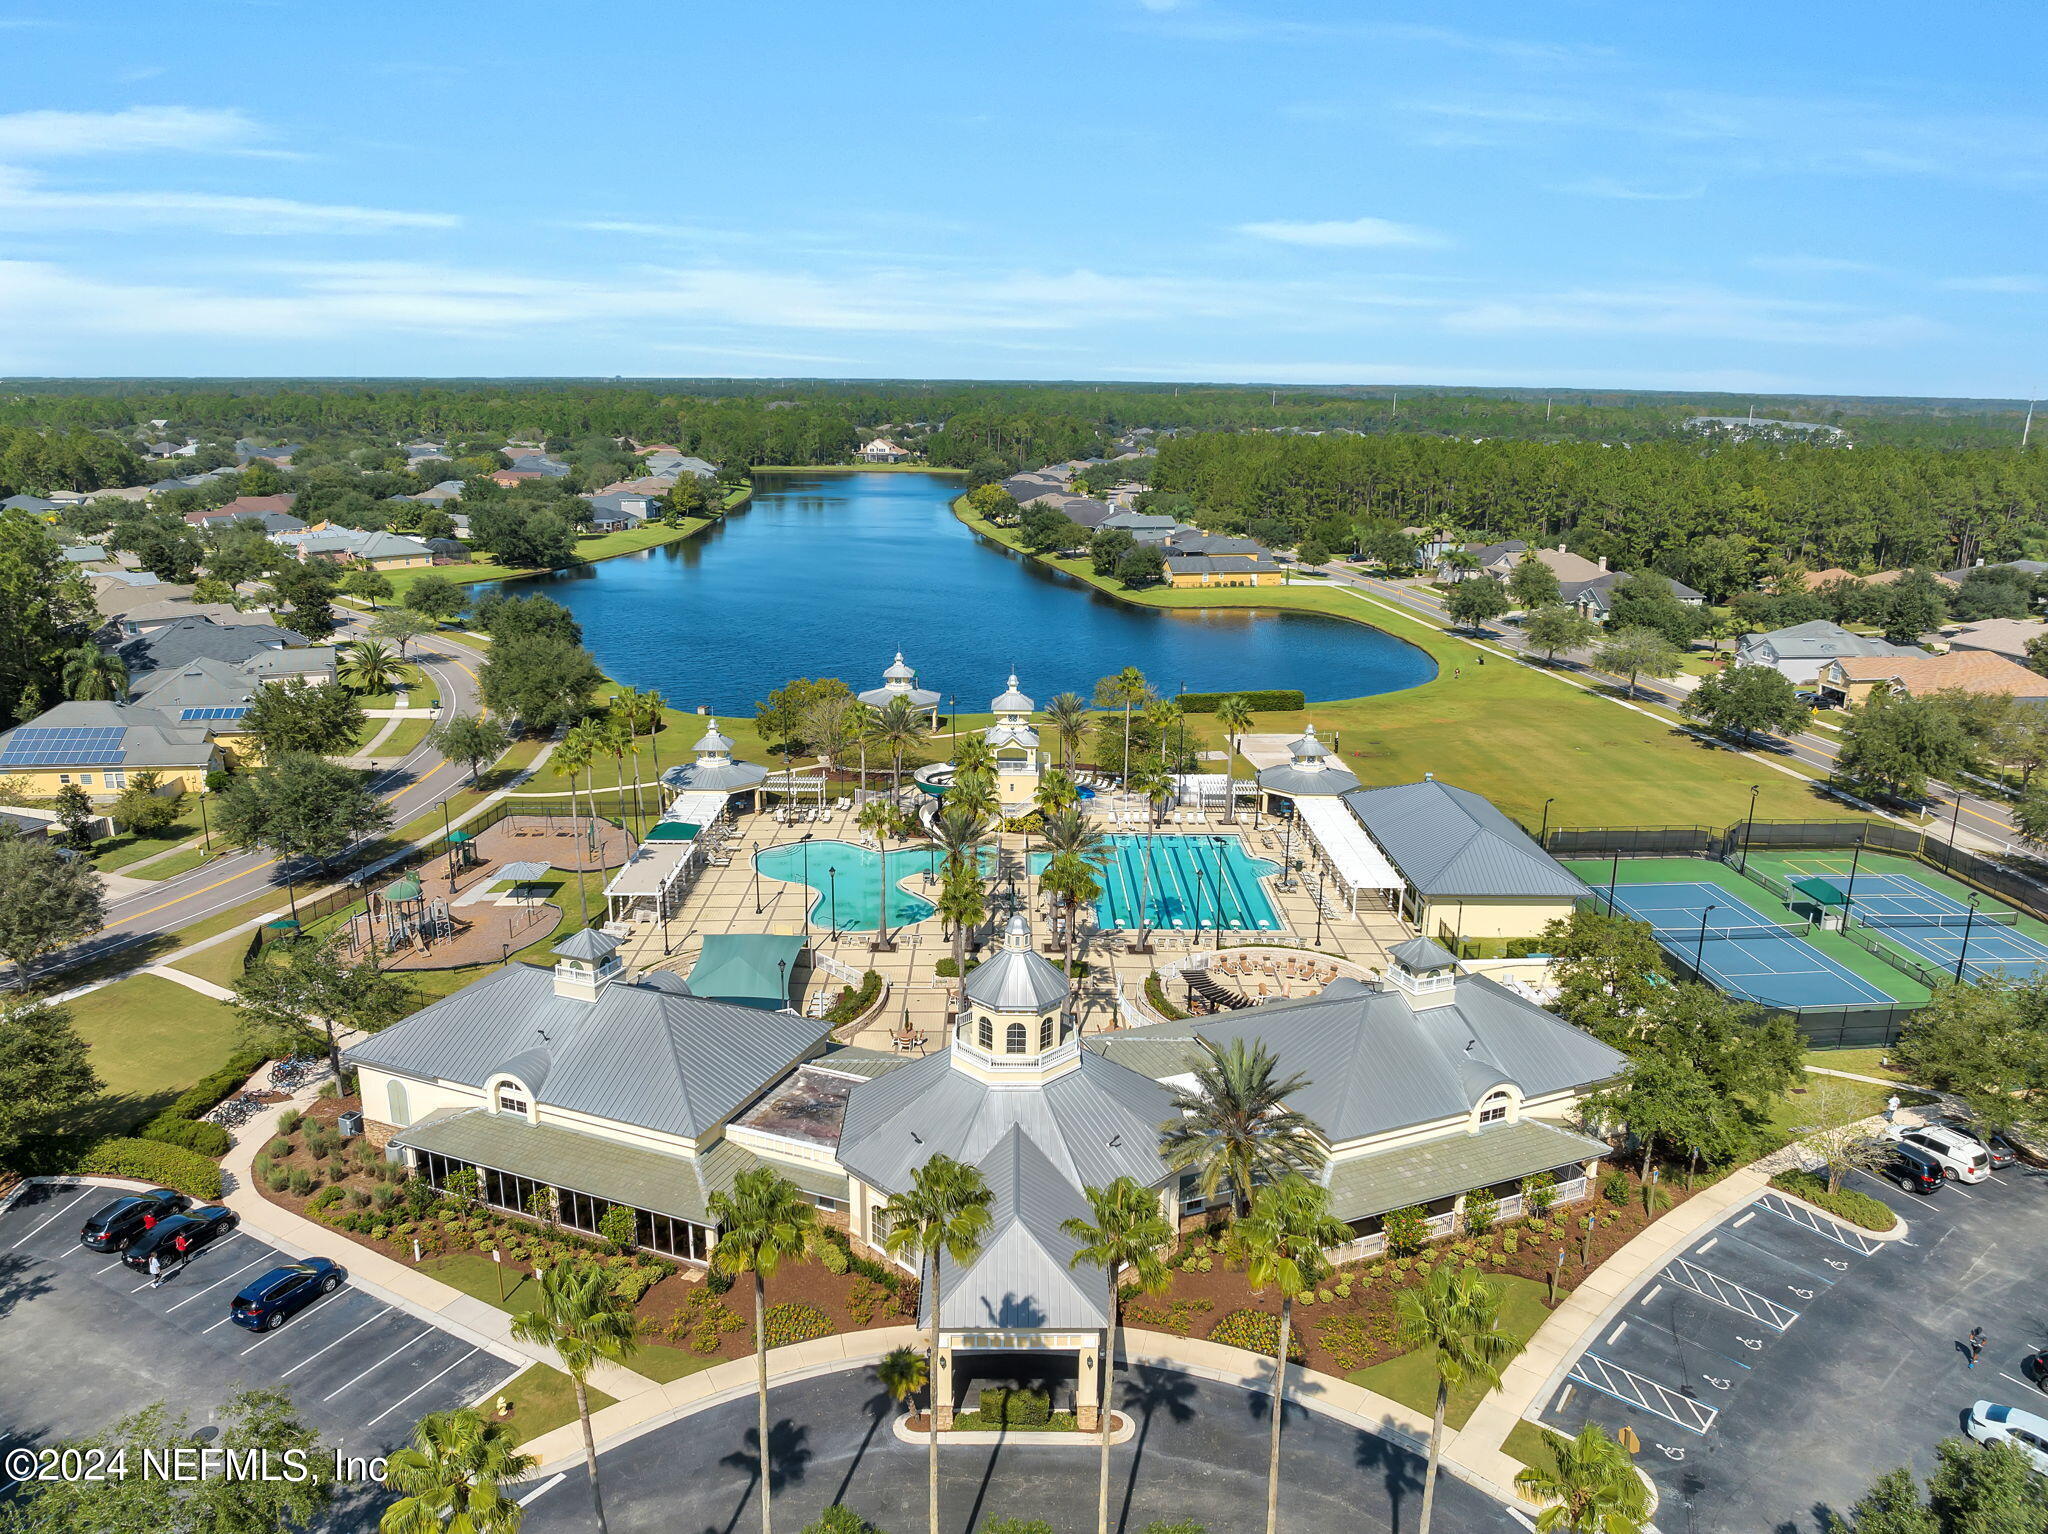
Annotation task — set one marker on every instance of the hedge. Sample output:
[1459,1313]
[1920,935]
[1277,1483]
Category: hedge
[153,1161]
[194,1134]
[1846,1204]
[1264,700]
[1156,994]
[852,1003]
[206,1094]
[1007,1406]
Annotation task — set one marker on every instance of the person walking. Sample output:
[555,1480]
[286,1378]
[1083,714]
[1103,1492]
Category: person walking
[1891,1108]
[1977,1341]
[156,1270]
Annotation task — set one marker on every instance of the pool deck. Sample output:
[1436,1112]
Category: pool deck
[724,900]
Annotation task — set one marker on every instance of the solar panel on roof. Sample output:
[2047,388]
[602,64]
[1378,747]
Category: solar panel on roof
[218,712]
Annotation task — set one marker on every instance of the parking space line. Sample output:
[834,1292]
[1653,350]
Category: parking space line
[245,1267]
[1827,1229]
[387,1411]
[314,1304]
[380,1363]
[119,1260]
[549,1485]
[1702,1249]
[1637,1390]
[2001,1374]
[1613,1336]
[1654,1291]
[378,1316]
[46,1219]
[1725,1292]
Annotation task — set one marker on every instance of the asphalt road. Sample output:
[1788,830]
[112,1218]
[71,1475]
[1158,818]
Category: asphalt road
[1200,1453]
[411,786]
[1985,817]
[1775,1373]
[87,1341]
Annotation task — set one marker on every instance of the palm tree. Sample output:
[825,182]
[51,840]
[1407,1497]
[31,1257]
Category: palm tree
[900,727]
[1283,1241]
[861,723]
[1155,784]
[1456,1315]
[942,1216]
[974,753]
[579,1318]
[1066,715]
[762,1222]
[653,708]
[371,666]
[1235,1126]
[1165,717]
[616,727]
[452,1476]
[1128,1231]
[1079,852]
[93,675]
[974,792]
[575,753]
[902,1373]
[1056,791]
[1126,689]
[963,905]
[877,817]
[1235,715]
[1591,1486]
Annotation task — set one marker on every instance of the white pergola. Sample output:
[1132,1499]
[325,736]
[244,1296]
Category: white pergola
[1352,857]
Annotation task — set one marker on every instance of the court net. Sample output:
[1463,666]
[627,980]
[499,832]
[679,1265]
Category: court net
[1687,937]
[1943,919]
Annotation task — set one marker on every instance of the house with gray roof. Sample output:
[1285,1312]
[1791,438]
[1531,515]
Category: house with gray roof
[1466,870]
[201,638]
[95,746]
[33,504]
[1798,653]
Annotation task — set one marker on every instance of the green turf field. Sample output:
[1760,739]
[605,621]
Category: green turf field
[1858,961]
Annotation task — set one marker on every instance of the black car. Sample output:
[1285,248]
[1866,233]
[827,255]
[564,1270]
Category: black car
[266,1301]
[200,1228]
[1912,1169]
[118,1223]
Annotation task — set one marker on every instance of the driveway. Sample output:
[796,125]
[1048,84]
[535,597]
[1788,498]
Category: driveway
[1783,1362]
[86,1340]
[1200,1453]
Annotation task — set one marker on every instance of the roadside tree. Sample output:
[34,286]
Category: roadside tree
[475,740]
[298,716]
[43,1069]
[1475,603]
[1639,652]
[1747,701]
[1533,584]
[1551,629]
[46,901]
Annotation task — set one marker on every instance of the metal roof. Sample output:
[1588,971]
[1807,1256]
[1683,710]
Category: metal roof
[1449,841]
[567,1158]
[588,943]
[1422,955]
[1022,1277]
[1016,979]
[722,777]
[1307,783]
[1363,1186]
[1374,1062]
[1010,700]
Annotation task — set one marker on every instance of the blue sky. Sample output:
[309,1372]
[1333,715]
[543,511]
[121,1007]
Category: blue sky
[1833,197]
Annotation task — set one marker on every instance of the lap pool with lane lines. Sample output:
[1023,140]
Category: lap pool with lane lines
[1182,882]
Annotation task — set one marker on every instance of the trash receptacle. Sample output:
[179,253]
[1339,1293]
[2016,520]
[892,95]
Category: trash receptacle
[349,1123]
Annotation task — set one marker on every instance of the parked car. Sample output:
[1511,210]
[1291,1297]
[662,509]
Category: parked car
[2036,1368]
[1958,1155]
[200,1227]
[1912,1169]
[265,1302]
[114,1225]
[1992,1423]
[2003,1152]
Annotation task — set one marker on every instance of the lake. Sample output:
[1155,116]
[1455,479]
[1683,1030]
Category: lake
[831,574]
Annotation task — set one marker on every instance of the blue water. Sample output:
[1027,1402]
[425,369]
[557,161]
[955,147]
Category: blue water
[851,902]
[1185,882]
[829,575]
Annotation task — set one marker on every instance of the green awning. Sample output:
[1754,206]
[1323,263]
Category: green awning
[673,831]
[459,837]
[1821,892]
[567,1158]
[1364,1186]
[751,968]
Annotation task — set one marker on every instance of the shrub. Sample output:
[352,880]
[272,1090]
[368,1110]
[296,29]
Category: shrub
[854,1001]
[619,1225]
[1006,1406]
[1155,993]
[288,1121]
[154,1161]
[1018,1525]
[326,1198]
[1407,1231]
[1539,1194]
[840,1519]
[1481,1210]
[1614,1187]
[302,1181]
[1256,1332]
[1185,1526]
[383,1196]
[832,1257]
[278,1180]
[194,1134]
[207,1092]
[1847,1204]
[795,1322]
[629,1284]
[1508,1244]
[1265,700]
[717,1280]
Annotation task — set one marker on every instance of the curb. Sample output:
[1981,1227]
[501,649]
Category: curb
[1126,1430]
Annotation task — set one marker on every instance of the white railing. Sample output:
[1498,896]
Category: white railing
[838,969]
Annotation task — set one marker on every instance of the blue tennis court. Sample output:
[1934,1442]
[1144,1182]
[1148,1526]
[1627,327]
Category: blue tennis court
[1744,952]
[1936,926]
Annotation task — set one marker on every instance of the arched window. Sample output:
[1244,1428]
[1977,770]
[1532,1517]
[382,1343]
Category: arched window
[1494,1109]
[511,1099]
[988,1042]
[396,1105]
[1015,1039]
[1045,1036]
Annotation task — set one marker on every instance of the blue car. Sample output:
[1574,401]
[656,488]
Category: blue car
[266,1301]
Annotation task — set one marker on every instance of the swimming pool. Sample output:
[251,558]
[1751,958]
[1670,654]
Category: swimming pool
[851,902]
[1182,882]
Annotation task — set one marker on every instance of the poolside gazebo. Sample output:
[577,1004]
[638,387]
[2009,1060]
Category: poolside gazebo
[715,771]
[900,681]
[1312,771]
[1013,740]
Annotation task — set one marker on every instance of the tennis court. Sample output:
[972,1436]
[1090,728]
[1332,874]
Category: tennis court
[1740,950]
[1908,912]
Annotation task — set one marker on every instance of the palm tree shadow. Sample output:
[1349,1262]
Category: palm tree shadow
[877,1406]
[1399,1470]
[789,1456]
[1146,1393]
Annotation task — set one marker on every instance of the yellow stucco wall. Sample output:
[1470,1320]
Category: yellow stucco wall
[1494,918]
[1208,578]
[44,784]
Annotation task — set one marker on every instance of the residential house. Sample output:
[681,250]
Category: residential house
[1143,526]
[1188,570]
[882,450]
[609,512]
[2008,637]
[2033,567]
[34,505]
[1798,653]
[439,496]
[1850,680]
[645,484]
[510,478]
[96,746]
[541,465]
[372,549]
[255,507]
[670,461]
[261,652]
[147,616]
[1595,598]
[279,455]
[215,696]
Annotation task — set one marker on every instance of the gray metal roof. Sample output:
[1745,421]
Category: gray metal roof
[1010,700]
[1374,1062]
[638,1054]
[1096,1123]
[1449,841]
[589,943]
[1022,1277]
[1363,1186]
[1016,979]
[148,737]
[724,778]
[1297,783]
[567,1158]
[1818,640]
[200,638]
[1422,955]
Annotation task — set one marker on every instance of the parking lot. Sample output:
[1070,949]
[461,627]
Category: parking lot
[87,1340]
[1783,1361]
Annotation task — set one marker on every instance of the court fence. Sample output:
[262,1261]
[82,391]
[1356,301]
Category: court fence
[1824,1027]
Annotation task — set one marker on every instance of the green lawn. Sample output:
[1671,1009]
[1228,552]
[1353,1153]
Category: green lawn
[222,963]
[1860,1062]
[478,1277]
[149,1038]
[410,733]
[544,1399]
[1799,1112]
[1516,734]
[1410,1380]
[662,1363]
[177,863]
[1525,1443]
[118,852]
[597,546]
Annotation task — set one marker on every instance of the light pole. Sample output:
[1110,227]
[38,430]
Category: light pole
[1953,822]
[754,875]
[805,843]
[1969,922]
[1749,826]
[1287,855]
[832,881]
[1699,953]
[1543,836]
[782,967]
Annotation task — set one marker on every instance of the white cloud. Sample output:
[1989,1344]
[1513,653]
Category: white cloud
[1695,313]
[27,203]
[2005,284]
[1607,186]
[1812,265]
[44,134]
[1344,233]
